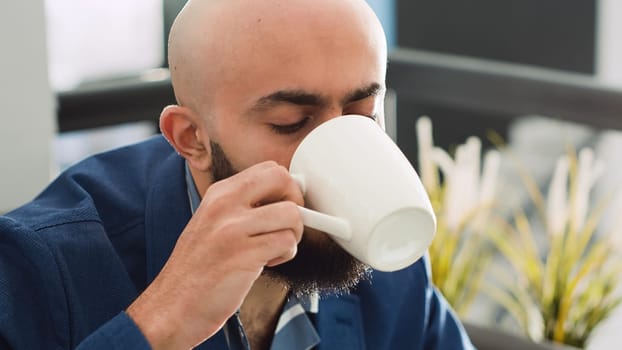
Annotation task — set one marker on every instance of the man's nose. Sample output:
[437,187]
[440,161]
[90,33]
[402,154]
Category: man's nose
[329,114]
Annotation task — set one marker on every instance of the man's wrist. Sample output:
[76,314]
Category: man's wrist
[159,330]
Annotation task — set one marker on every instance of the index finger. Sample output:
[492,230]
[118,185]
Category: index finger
[265,183]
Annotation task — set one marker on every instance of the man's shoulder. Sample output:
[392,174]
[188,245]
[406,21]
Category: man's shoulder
[107,189]
[152,149]
[58,284]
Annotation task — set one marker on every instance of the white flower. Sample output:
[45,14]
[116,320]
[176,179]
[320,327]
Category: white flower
[559,211]
[425,143]
[487,188]
[616,235]
[451,199]
[468,162]
[589,171]
[490,172]
[557,198]
[466,191]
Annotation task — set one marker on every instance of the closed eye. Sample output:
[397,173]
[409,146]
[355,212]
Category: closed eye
[290,128]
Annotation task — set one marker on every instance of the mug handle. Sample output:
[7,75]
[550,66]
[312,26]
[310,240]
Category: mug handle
[332,225]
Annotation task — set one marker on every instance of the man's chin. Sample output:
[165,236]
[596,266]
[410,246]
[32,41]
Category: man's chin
[320,265]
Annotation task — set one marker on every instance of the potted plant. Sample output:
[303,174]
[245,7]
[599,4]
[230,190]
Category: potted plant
[560,278]
[462,201]
[562,282]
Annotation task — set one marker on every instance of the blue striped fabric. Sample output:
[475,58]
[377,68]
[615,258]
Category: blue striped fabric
[294,330]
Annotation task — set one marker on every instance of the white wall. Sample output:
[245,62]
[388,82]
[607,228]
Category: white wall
[609,43]
[94,39]
[27,121]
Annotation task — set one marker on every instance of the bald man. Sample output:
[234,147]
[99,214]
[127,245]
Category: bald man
[194,239]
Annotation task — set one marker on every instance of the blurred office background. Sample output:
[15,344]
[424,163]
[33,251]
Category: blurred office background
[80,77]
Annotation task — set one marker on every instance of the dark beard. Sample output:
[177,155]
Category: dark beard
[221,166]
[320,264]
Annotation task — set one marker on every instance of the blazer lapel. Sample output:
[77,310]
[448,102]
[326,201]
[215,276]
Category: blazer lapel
[340,323]
[167,212]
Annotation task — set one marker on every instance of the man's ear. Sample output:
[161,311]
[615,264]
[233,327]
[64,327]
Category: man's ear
[181,127]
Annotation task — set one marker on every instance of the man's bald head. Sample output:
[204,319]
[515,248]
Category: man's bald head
[253,77]
[215,42]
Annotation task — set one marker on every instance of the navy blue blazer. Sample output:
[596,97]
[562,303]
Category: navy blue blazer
[75,257]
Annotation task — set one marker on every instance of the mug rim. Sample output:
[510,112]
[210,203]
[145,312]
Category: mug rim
[322,126]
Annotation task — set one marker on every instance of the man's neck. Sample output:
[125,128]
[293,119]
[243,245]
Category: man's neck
[261,310]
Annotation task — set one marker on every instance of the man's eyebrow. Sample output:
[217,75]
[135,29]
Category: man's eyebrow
[372,89]
[296,97]
[304,98]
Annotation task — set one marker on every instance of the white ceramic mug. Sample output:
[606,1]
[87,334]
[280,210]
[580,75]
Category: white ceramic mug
[361,190]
